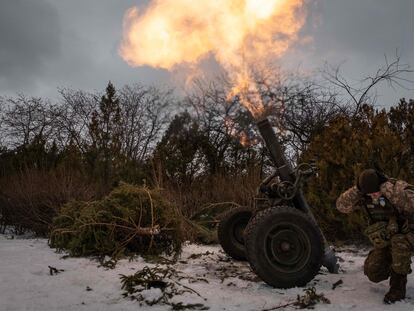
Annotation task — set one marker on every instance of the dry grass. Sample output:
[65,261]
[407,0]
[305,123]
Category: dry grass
[29,200]
[203,202]
[220,188]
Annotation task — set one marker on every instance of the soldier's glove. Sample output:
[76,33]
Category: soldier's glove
[392,227]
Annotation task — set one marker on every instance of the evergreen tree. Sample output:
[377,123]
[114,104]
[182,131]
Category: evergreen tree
[179,150]
[104,153]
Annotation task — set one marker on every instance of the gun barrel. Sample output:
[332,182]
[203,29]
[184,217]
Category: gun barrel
[275,149]
[277,155]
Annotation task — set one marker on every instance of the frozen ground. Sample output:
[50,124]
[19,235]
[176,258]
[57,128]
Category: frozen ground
[26,283]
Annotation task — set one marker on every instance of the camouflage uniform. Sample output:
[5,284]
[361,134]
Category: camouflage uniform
[396,257]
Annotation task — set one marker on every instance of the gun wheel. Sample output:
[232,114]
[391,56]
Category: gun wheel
[284,247]
[231,231]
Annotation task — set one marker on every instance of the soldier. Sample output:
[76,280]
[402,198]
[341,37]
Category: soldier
[389,206]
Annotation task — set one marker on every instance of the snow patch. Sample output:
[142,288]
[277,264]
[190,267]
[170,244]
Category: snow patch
[27,284]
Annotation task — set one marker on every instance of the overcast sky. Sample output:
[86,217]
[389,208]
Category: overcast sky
[46,44]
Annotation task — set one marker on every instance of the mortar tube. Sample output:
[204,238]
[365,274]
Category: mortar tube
[276,150]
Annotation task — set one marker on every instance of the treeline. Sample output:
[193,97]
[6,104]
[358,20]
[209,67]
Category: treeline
[82,146]
[200,149]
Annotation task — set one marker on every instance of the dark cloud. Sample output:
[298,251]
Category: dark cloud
[29,39]
[45,44]
[359,33]
[370,27]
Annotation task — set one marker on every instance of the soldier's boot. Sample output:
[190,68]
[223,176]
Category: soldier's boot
[398,283]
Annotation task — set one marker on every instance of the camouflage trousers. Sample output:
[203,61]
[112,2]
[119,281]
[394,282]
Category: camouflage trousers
[397,256]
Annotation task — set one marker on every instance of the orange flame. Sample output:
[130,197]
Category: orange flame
[238,33]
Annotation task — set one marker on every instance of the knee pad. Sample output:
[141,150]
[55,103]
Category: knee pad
[377,266]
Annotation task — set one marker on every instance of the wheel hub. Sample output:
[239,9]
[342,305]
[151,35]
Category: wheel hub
[287,248]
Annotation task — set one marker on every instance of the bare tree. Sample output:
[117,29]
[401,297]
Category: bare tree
[145,114]
[228,138]
[298,106]
[301,107]
[355,95]
[73,117]
[24,119]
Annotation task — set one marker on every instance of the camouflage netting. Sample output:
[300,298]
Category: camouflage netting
[129,220]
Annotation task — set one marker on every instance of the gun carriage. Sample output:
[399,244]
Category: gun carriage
[279,236]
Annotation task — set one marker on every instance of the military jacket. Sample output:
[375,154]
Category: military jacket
[397,193]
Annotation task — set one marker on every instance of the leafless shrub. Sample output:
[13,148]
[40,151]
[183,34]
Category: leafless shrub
[29,200]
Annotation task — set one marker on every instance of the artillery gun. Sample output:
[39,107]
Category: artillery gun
[279,236]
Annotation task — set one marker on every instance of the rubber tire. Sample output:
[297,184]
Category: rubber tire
[255,244]
[225,232]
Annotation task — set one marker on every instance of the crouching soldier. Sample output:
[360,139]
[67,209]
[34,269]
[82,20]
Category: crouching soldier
[389,206]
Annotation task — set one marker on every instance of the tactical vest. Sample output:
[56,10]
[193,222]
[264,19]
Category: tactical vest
[379,210]
[382,209]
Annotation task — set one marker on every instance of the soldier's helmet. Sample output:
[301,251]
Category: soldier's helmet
[369,181]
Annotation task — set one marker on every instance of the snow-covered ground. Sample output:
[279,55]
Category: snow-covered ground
[26,282]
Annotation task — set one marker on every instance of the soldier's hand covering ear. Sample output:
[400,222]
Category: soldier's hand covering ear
[350,201]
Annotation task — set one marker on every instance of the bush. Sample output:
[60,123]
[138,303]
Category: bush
[30,199]
[129,220]
[347,146]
